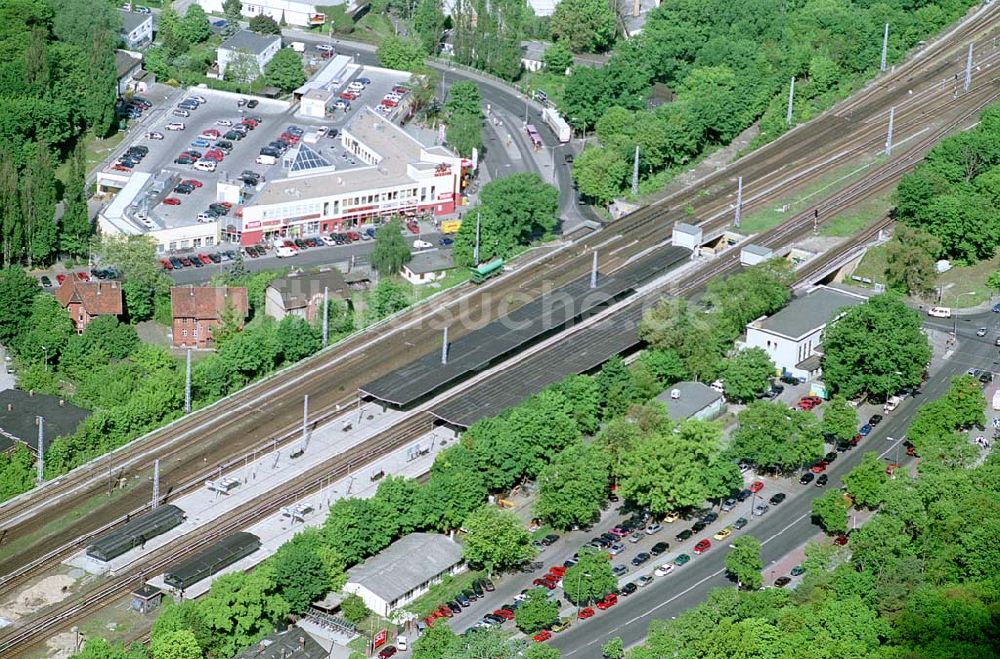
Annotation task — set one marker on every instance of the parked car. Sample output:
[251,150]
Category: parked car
[806,478]
[740,523]
[703,545]
[659,548]
[822,480]
[681,560]
[640,558]
[760,509]
[756,486]
[777,498]
[781,582]
[723,533]
[607,602]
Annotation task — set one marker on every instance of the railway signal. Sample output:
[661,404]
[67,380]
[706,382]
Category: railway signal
[885,47]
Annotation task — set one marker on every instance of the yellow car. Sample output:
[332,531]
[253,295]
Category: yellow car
[724,533]
[672,517]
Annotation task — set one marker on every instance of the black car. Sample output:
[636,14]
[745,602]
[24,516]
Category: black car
[455,606]
[477,588]
[216,258]
[788,378]
[684,535]
[144,150]
[600,542]
[843,446]
[806,478]
[822,480]
[176,262]
[831,456]
[470,594]
[875,419]
[743,495]
[659,548]
[570,562]
[234,135]
[777,498]
[610,538]
[740,523]
[252,103]
[698,526]
[640,558]
[710,517]
[463,600]
[494,618]
[184,188]
[628,589]
[46,282]
[781,582]
[270,151]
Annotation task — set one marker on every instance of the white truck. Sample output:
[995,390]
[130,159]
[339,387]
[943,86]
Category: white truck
[558,125]
[298,46]
[996,400]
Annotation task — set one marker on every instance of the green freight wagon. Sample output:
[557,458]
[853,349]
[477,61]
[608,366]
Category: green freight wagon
[484,271]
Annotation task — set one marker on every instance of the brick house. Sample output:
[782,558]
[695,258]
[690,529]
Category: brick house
[86,300]
[196,310]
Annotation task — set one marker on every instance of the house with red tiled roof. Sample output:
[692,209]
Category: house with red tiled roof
[197,310]
[86,300]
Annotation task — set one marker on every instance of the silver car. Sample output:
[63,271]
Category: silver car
[760,509]
[728,505]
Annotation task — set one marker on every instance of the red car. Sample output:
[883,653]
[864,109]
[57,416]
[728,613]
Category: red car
[809,402]
[506,614]
[702,546]
[891,467]
[444,611]
[429,621]
[61,279]
[172,201]
[354,236]
[204,259]
[211,132]
[83,276]
[387,651]
[249,123]
[819,467]
[542,636]
[856,439]
[840,540]
[389,102]
[558,570]
[167,265]
[348,96]
[544,583]
[400,90]
[609,600]
[585,613]
[217,156]
[756,486]
[225,204]
[193,182]
[413,227]
[910,449]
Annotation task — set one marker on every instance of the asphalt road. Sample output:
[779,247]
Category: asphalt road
[785,527]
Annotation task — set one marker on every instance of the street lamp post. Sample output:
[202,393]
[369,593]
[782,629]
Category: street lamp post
[579,587]
[46,362]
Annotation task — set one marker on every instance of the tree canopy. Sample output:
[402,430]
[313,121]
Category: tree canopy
[496,539]
[771,436]
[391,252]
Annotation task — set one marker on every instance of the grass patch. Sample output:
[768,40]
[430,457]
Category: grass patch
[872,266]
[440,593]
[965,286]
[375,24]
[552,84]
[858,217]
[454,277]
[541,532]
[784,208]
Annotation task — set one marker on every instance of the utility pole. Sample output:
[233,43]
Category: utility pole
[475,250]
[635,172]
[885,47]
[326,315]
[444,348]
[968,71]
[305,420]
[40,463]
[593,272]
[739,202]
[187,385]
[156,483]
[791,100]
[888,139]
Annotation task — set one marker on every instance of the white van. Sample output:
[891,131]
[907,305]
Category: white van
[205,165]
[939,312]
[265,160]
[892,403]
[283,252]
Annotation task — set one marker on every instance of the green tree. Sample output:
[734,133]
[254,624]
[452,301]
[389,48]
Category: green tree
[993,281]
[877,347]
[179,644]
[536,612]
[830,511]
[284,71]
[299,572]
[386,298]
[572,487]
[434,643]
[391,251]
[233,12]
[757,291]
[743,562]
[866,482]
[428,23]
[965,402]
[111,337]
[840,420]
[38,204]
[298,339]
[354,528]
[74,226]
[194,27]
[242,68]
[354,609]
[747,374]
[614,383]
[463,98]
[541,651]
[590,579]
[496,539]
[613,648]
[264,25]
[599,173]
[16,472]
[583,401]
[557,58]
[17,293]
[238,609]
[584,25]
[400,53]
[454,489]
[464,133]
[665,365]
[668,470]
[771,436]
[49,331]
[910,261]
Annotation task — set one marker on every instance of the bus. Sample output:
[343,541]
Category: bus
[484,271]
[536,139]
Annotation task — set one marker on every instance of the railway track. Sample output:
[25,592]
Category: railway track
[271,408]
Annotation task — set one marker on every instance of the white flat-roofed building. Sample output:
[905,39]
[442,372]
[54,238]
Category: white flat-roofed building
[262,47]
[295,12]
[404,571]
[137,29]
[396,175]
[791,337]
